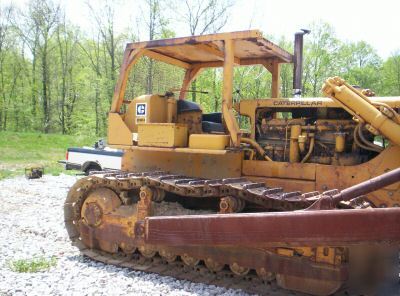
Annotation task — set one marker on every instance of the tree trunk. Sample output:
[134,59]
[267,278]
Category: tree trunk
[3,109]
[33,87]
[194,86]
[45,98]
[214,87]
[112,56]
[96,108]
[63,95]
[149,87]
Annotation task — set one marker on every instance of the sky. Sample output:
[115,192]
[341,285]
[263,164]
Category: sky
[375,22]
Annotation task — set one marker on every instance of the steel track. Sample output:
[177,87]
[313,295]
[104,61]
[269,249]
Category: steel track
[238,187]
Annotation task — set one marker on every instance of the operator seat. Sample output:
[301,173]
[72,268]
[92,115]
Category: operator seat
[187,106]
[210,123]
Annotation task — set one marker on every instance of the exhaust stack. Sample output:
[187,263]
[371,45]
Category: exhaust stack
[298,62]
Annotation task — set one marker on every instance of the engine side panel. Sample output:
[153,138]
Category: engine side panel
[308,177]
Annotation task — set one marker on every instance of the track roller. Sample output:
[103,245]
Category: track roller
[265,275]
[230,204]
[167,256]
[189,261]
[128,248]
[213,265]
[147,252]
[155,194]
[239,270]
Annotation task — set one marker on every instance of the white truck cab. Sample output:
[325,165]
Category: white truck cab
[89,159]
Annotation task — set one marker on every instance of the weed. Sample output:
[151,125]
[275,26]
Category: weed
[6,174]
[32,265]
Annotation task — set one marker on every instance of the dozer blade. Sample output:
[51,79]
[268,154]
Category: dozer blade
[313,227]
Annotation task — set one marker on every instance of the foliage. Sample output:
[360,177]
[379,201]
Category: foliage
[321,52]
[361,65]
[56,78]
[391,75]
[32,265]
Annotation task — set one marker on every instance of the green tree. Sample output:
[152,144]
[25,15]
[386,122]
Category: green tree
[5,46]
[40,25]
[320,57]
[68,55]
[391,75]
[360,64]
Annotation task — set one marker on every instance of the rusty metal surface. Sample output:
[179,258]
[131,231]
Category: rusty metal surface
[326,202]
[368,186]
[207,48]
[253,192]
[308,177]
[298,62]
[330,227]
[183,161]
[204,51]
[116,238]
[256,257]
[101,243]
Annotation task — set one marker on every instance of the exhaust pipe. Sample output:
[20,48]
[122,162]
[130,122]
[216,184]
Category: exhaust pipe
[298,62]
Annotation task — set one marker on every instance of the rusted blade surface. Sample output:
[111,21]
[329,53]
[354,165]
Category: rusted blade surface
[328,227]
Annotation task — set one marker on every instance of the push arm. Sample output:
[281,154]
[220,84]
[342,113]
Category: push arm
[379,118]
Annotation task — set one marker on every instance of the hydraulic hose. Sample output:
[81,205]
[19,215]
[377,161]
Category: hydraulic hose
[365,141]
[256,146]
[362,145]
[310,150]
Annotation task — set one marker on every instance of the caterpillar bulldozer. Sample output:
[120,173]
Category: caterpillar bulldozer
[300,201]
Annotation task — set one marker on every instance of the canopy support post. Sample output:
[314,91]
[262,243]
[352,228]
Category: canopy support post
[276,83]
[227,90]
[130,58]
[190,75]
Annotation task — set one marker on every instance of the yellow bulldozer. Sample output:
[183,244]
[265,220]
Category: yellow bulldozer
[295,200]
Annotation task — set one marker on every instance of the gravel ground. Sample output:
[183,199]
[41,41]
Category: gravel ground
[31,225]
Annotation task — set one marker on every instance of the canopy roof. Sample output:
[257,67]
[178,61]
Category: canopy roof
[196,53]
[250,48]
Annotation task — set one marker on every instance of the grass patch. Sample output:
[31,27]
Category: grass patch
[32,265]
[20,150]
[6,174]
